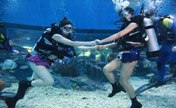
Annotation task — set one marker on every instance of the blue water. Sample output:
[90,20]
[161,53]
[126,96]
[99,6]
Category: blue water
[84,14]
[25,21]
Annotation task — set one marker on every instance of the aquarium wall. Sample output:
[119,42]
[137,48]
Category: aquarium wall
[85,14]
[92,19]
[27,19]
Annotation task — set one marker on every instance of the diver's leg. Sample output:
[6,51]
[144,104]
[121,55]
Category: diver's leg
[34,77]
[161,64]
[174,63]
[7,46]
[44,79]
[114,64]
[12,101]
[107,69]
[22,87]
[126,71]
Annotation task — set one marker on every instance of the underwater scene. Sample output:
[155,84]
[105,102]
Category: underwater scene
[87,54]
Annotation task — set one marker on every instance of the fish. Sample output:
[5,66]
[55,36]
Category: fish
[150,74]
[24,66]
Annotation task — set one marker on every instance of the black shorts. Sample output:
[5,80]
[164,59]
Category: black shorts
[130,56]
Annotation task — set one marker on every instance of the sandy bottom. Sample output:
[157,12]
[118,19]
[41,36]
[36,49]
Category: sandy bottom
[50,97]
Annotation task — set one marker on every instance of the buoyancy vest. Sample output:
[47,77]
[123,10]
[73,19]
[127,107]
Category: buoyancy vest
[165,35]
[134,39]
[47,46]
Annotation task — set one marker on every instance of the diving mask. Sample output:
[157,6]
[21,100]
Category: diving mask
[124,15]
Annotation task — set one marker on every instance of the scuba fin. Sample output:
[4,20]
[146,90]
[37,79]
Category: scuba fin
[144,88]
[151,85]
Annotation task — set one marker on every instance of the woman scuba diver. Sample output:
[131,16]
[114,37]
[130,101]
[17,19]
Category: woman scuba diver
[131,44]
[54,43]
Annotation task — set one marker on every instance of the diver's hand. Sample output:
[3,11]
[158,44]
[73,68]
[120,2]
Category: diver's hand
[174,49]
[95,42]
[92,43]
[100,47]
[98,41]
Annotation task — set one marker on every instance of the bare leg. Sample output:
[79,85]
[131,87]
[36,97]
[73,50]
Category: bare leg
[44,78]
[113,65]
[34,77]
[126,72]
[116,63]
[41,78]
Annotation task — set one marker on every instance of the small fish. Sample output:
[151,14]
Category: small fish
[16,58]
[150,74]
[11,71]
[8,64]
[146,63]
[24,66]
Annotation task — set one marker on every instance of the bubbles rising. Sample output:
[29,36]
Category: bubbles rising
[119,4]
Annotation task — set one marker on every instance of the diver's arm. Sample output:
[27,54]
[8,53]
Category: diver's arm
[101,47]
[96,47]
[129,28]
[61,39]
[86,47]
[111,45]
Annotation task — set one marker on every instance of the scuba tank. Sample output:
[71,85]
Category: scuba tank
[153,49]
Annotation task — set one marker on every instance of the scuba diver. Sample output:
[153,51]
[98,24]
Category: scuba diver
[130,30]
[131,40]
[166,32]
[165,28]
[4,45]
[4,41]
[55,42]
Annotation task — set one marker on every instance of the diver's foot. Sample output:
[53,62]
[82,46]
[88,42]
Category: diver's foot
[114,91]
[136,105]
[10,102]
[116,88]
[23,86]
[159,83]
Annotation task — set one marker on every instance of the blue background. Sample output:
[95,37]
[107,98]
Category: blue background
[85,14]
[25,20]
